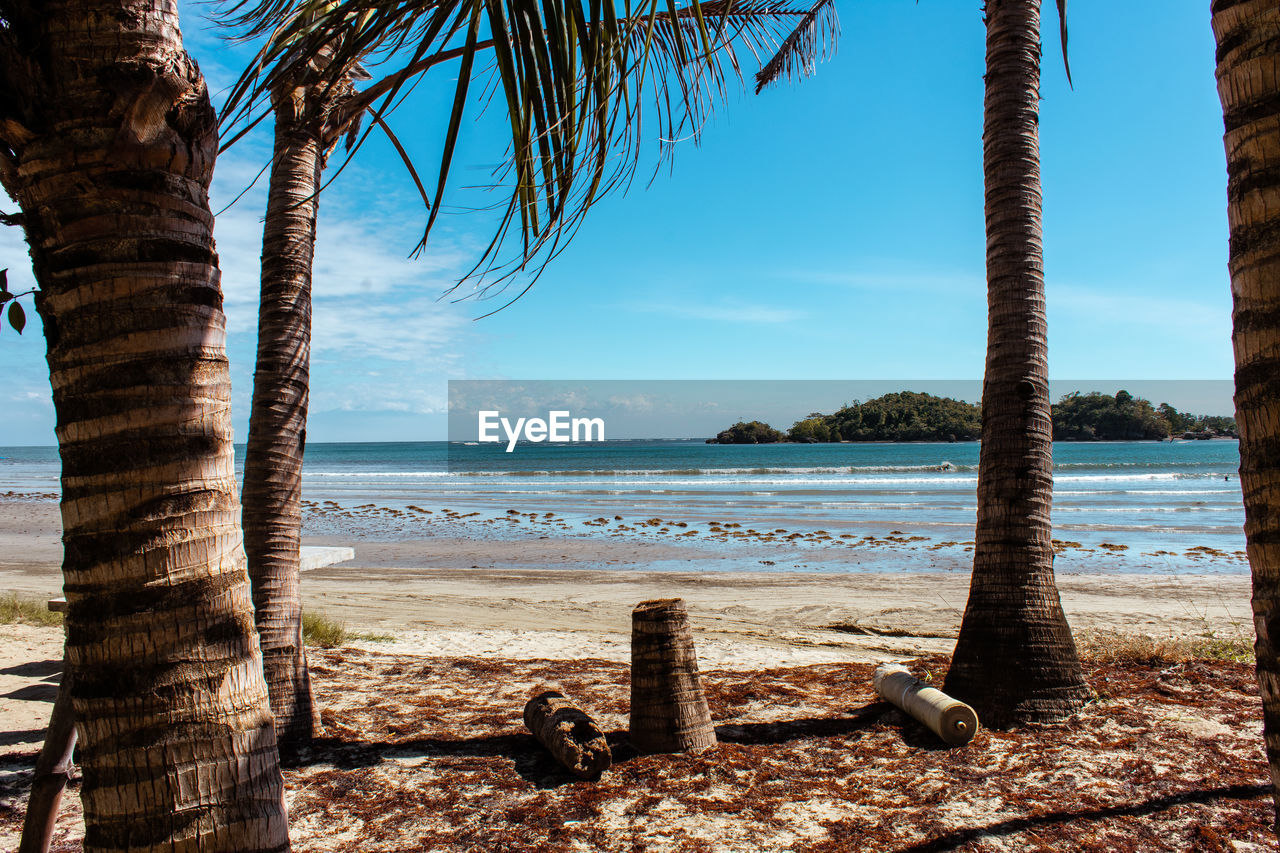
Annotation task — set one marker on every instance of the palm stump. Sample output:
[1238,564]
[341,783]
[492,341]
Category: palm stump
[669,710]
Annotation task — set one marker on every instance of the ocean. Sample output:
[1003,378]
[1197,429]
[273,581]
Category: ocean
[1158,507]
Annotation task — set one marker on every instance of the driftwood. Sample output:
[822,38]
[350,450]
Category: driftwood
[568,733]
[950,719]
[53,765]
[669,710]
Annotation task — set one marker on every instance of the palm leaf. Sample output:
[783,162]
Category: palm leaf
[812,39]
[582,82]
[1062,31]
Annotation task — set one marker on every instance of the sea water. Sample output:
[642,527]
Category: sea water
[1135,506]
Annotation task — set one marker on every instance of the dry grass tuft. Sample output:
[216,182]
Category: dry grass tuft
[323,631]
[328,633]
[1116,647]
[27,611]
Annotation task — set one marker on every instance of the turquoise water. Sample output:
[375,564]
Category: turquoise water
[1133,506]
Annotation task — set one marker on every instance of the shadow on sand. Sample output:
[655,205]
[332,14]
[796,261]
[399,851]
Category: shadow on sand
[957,839]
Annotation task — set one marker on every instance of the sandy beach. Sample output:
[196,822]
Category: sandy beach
[446,605]
[451,595]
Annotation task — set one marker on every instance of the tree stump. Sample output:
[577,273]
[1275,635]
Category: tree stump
[568,733]
[669,710]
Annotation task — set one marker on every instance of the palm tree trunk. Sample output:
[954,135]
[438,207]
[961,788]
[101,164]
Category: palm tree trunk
[109,154]
[1248,37]
[1015,660]
[272,515]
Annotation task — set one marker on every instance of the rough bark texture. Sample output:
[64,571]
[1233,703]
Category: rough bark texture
[568,733]
[669,710]
[1248,38]
[108,143]
[52,772]
[272,515]
[1015,660]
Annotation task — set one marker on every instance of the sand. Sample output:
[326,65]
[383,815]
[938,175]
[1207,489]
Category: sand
[540,623]
[473,605]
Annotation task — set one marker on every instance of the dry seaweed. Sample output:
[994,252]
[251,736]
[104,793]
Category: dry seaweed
[432,754]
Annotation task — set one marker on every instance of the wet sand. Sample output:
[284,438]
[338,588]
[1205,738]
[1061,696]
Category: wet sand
[451,593]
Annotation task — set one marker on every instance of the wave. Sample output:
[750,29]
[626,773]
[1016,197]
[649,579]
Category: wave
[1154,463]
[947,471]
[377,474]
[1196,507]
[1162,476]
[940,468]
[1058,493]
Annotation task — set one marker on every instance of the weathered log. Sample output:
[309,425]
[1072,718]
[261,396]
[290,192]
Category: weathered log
[669,710]
[568,733]
[950,719]
[53,765]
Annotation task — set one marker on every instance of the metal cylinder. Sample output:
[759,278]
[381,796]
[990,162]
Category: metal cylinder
[950,719]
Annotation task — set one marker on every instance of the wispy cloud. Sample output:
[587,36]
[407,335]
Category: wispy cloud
[894,282]
[1112,307]
[724,312]
[382,339]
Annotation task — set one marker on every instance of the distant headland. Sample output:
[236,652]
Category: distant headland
[913,416]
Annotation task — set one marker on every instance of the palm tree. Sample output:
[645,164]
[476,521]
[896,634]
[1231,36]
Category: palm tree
[107,143]
[314,102]
[1249,88]
[272,502]
[1015,660]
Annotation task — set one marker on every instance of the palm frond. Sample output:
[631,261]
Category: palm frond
[813,39]
[586,84]
[1062,31]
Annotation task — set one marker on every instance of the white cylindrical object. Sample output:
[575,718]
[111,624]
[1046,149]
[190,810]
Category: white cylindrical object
[950,719]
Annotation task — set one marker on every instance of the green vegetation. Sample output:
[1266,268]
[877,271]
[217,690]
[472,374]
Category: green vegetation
[907,416]
[754,432]
[1101,417]
[912,416]
[328,633]
[1181,423]
[27,611]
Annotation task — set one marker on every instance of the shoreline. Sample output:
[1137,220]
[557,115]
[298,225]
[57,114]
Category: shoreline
[531,572]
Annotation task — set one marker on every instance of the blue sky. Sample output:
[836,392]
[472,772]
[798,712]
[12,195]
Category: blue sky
[826,229]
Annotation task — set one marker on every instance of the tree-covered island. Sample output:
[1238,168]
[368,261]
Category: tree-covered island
[912,416]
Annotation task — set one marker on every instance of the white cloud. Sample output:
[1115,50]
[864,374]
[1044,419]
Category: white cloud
[403,326]
[725,312]
[382,339]
[632,402]
[897,282]
[1112,307]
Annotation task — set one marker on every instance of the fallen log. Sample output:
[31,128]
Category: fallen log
[53,764]
[568,733]
[669,710]
[950,719]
